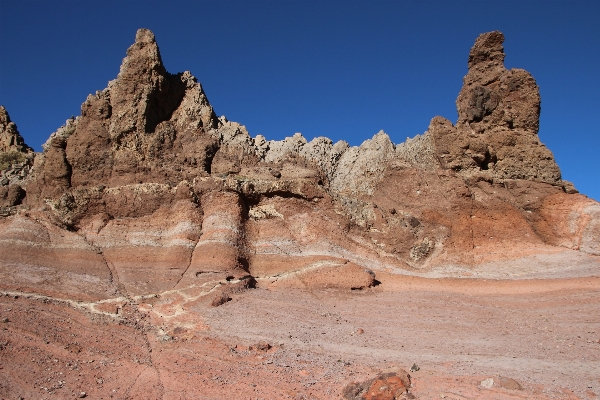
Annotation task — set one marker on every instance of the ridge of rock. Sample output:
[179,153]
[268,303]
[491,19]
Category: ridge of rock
[16,161]
[170,194]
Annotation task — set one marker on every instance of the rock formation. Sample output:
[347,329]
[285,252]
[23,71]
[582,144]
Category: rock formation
[16,159]
[129,248]
[150,191]
[10,138]
[498,121]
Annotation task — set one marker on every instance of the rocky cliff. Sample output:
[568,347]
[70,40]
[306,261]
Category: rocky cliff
[148,191]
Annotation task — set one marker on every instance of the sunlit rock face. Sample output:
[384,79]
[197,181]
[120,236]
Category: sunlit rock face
[148,191]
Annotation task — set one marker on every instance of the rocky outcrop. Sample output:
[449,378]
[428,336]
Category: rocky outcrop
[146,126]
[155,194]
[16,161]
[10,138]
[498,121]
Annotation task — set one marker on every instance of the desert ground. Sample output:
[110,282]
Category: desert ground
[470,338]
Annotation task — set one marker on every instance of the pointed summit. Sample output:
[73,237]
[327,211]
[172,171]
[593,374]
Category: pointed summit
[498,121]
[487,49]
[143,94]
[10,138]
[143,56]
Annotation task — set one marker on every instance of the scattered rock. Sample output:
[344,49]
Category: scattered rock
[261,346]
[387,386]
[220,299]
[487,383]
[500,381]
[507,383]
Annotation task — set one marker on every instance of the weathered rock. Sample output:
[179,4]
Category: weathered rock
[16,161]
[361,168]
[345,276]
[11,195]
[10,138]
[500,381]
[498,121]
[386,386]
[323,153]
[174,198]
[147,126]
[37,256]
[147,209]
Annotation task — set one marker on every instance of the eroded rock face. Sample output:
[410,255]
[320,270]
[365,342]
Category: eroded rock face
[498,121]
[155,194]
[16,161]
[10,138]
[147,126]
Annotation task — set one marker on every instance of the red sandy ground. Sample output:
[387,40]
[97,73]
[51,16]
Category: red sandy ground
[544,334]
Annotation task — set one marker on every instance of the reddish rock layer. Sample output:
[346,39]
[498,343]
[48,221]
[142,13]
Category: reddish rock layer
[148,192]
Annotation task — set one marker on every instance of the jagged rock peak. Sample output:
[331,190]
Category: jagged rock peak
[145,50]
[143,94]
[10,138]
[487,49]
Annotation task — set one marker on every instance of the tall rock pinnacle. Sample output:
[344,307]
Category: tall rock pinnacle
[143,93]
[147,125]
[498,120]
[10,138]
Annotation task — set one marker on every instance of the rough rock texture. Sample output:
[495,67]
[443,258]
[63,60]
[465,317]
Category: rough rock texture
[498,121]
[10,139]
[16,161]
[169,193]
[388,386]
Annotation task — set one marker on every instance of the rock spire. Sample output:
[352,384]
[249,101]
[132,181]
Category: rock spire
[498,121]
[10,138]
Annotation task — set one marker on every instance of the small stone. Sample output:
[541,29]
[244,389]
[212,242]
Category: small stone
[487,383]
[220,299]
[508,383]
[261,346]
[82,395]
[414,368]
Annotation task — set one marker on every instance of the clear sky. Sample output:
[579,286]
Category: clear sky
[341,69]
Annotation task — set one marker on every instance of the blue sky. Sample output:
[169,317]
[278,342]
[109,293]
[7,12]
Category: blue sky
[341,69]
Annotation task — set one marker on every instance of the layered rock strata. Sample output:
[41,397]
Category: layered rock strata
[148,191]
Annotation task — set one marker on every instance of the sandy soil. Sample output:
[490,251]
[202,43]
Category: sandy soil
[543,334]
